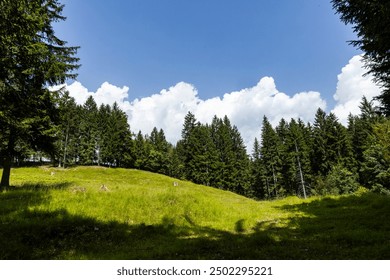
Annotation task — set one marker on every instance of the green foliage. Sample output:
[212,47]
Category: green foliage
[154,153]
[376,165]
[31,58]
[214,155]
[67,129]
[331,144]
[202,165]
[88,132]
[339,181]
[117,149]
[91,136]
[371,22]
[232,165]
[270,154]
[258,188]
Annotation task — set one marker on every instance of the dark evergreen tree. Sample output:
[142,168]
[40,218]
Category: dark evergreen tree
[360,130]
[186,144]
[214,155]
[331,143]
[299,151]
[140,151]
[103,134]
[201,167]
[371,22]
[32,57]
[332,147]
[159,157]
[179,160]
[271,159]
[176,166]
[258,187]
[339,145]
[286,150]
[88,133]
[189,124]
[319,147]
[158,140]
[223,142]
[241,172]
[375,168]
[119,143]
[68,128]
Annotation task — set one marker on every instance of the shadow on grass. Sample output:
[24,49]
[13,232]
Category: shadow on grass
[41,186]
[343,228]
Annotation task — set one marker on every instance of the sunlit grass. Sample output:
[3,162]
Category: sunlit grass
[64,214]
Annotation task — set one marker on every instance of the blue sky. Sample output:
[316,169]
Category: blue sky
[241,58]
[219,46]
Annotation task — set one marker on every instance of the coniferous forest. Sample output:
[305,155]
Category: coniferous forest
[293,158]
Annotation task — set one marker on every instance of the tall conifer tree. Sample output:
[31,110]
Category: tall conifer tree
[31,58]
[67,129]
[271,158]
[88,132]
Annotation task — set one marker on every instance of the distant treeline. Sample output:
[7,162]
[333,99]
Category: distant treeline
[293,158]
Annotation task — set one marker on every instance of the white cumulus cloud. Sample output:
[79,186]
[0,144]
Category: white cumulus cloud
[245,108]
[167,109]
[352,85]
[106,94]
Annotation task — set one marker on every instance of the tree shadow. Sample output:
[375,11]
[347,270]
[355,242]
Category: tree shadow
[19,198]
[343,228]
[43,186]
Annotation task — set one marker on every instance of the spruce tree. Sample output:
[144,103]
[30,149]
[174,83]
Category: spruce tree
[31,59]
[258,188]
[159,157]
[220,130]
[360,131]
[103,134]
[286,150]
[375,168]
[271,158]
[300,157]
[119,144]
[186,144]
[67,129]
[140,151]
[201,168]
[88,132]
[241,171]
[371,22]
[319,147]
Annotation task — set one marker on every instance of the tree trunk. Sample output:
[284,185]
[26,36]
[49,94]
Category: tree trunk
[300,171]
[7,160]
[66,145]
[275,180]
[6,172]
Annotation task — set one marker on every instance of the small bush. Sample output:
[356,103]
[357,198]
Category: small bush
[361,190]
[341,181]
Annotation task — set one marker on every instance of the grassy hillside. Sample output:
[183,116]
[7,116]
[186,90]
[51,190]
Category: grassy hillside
[63,214]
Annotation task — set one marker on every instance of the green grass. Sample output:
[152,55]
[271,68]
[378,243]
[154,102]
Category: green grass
[65,215]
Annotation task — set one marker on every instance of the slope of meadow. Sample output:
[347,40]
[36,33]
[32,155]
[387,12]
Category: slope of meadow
[65,214]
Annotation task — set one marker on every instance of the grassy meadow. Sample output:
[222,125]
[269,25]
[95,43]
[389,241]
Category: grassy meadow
[53,213]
